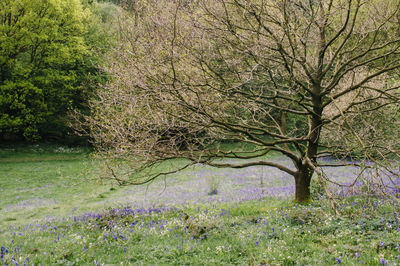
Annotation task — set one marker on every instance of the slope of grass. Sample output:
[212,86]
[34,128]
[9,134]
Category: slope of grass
[55,211]
[37,181]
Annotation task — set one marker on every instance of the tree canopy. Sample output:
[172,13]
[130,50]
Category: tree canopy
[275,74]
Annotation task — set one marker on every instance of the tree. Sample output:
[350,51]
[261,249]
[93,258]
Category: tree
[273,74]
[47,60]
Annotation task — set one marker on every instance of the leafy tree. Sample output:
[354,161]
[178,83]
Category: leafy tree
[47,60]
[273,74]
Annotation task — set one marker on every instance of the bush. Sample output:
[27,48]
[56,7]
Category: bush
[317,188]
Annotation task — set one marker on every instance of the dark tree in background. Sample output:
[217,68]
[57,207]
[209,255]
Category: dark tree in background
[50,52]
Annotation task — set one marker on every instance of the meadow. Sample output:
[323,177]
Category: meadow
[54,210]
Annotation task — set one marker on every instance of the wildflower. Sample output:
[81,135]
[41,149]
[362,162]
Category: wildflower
[338,261]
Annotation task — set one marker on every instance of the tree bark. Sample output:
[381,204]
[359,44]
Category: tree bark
[303,181]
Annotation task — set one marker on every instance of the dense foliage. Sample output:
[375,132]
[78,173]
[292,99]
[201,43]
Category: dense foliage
[49,55]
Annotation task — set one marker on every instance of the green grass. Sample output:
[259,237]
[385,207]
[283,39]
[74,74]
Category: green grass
[38,181]
[41,185]
[256,233]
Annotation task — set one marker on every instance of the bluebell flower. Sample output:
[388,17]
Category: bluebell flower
[338,261]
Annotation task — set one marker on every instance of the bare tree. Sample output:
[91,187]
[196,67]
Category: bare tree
[273,74]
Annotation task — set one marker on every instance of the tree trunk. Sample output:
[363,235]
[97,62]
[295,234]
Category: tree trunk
[303,180]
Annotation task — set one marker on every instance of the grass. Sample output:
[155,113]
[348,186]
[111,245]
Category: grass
[54,211]
[37,182]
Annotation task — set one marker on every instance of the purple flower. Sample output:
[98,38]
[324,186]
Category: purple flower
[338,261]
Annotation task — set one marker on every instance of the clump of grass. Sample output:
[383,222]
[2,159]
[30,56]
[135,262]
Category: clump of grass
[213,184]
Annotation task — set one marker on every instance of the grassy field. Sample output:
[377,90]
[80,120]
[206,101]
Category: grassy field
[54,210]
